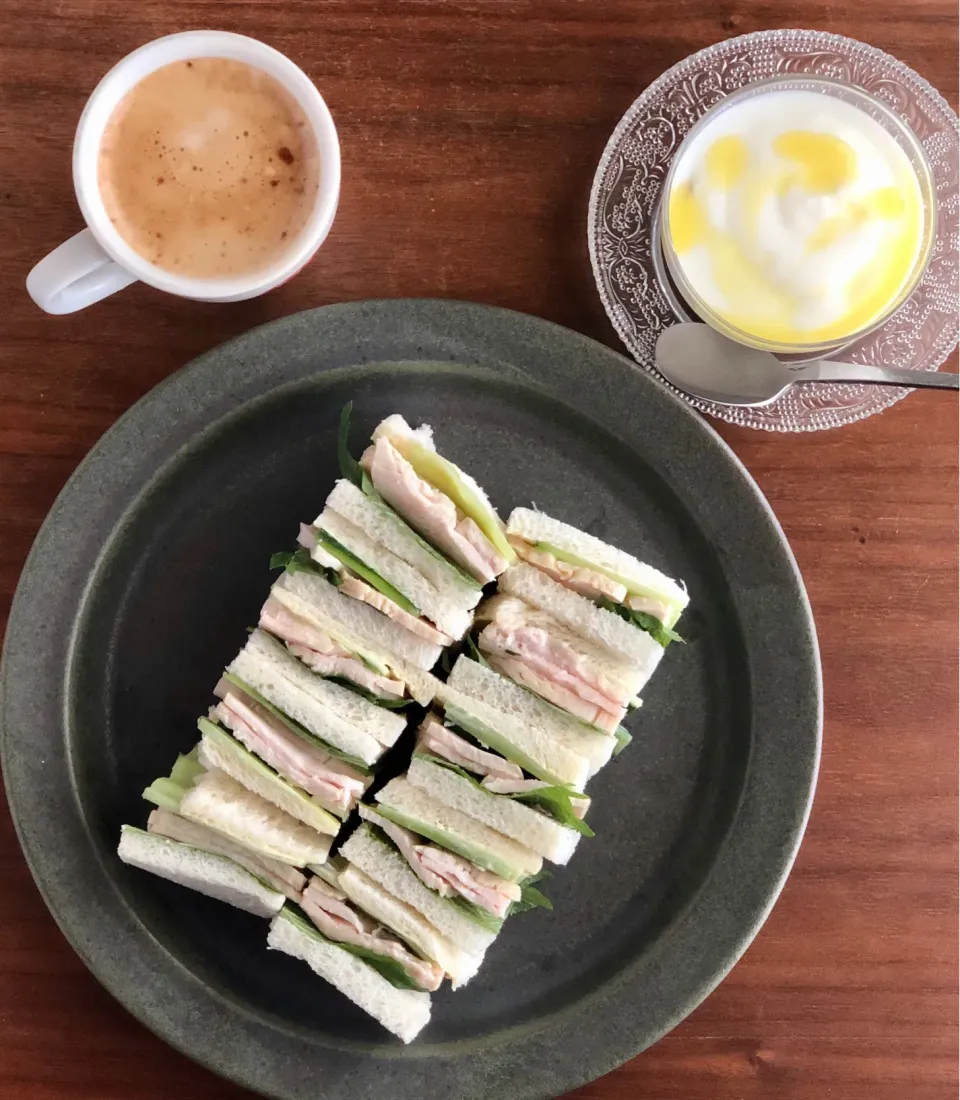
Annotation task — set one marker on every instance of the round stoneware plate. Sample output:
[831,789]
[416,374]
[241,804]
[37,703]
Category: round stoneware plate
[154,561]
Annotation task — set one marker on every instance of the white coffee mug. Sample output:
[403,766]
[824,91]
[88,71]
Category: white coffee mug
[98,261]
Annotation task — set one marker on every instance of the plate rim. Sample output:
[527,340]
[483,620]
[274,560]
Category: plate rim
[467,321]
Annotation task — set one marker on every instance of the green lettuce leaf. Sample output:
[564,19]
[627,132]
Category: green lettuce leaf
[642,619]
[553,800]
[299,561]
[349,467]
[384,965]
[295,727]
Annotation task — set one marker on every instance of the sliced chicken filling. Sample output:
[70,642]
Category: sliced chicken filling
[457,875]
[323,654]
[657,608]
[588,582]
[360,590]
[446,873]
[281,876]
[434,737]
[517,632]
[432,512]
[515,669]
[579,805]
[335,785]
[339,921]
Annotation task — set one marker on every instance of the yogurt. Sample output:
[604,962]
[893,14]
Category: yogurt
[795,217]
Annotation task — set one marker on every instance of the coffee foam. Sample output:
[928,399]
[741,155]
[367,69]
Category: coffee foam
[208,168]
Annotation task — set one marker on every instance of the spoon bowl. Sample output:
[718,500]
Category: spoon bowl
[703,362]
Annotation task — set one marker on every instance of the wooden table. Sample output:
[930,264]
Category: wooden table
[470,135]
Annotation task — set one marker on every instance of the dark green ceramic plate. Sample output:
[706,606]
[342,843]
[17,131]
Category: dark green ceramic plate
[154,561]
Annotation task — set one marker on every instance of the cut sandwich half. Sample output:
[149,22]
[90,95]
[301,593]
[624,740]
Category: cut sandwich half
[279,876]
[622,641]
[441,501]
[335,914]
[401,1010]
[213,799]
[422,812]
[508,815]
[543,654]
[317,610]
[315,774]
[485,899]
[371,850]
[349,726]
[593,568]
[218,750]
[543,740]
[409,924]
[366,534]
[199,869]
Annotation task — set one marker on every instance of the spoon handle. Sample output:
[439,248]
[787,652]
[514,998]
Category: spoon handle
[826,371]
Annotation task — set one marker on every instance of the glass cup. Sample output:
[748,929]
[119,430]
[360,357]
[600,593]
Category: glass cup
[893,125]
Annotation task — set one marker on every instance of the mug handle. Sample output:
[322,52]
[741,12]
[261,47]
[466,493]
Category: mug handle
[76,275]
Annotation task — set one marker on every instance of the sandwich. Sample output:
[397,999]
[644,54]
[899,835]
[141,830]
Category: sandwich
[442,502]
[545,741]
[211,798]
[620,640]
[372,850]
[216,837]
[380,990]
[368,538]
[349,727]
[200,869]
[617,581]
[422,812]
[542,653]
[218,750]
[546,818]
[485,899]
[347,640]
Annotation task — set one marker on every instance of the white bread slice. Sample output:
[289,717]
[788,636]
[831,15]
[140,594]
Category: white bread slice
[206,872]
[404,1012]
[360,626]
[408,923]
[529,711]
[217,801]
[536,830]
[380,523]
[450,615]
[278,676]
[382,862]
[624,642]
[426,815]
[536,526]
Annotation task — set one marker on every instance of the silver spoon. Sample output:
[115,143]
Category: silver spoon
[701,361]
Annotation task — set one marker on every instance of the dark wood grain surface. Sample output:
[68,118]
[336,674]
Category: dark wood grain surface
[470,133]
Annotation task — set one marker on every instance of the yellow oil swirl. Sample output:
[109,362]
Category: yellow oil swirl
[818,164]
